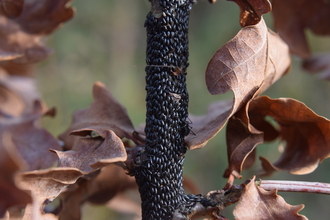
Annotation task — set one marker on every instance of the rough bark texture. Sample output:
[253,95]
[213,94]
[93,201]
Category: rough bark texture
[159,166]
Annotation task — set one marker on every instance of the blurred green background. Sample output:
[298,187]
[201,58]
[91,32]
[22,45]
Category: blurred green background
[105,42]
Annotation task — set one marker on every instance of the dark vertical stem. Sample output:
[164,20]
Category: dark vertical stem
[159,170]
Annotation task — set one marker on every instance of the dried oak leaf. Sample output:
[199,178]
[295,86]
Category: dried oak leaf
[248,64]
[20,38]
[88,154]
[307,135]
[31,141]
[10,164]
[319,64]
[104,113]
[259,204]
[98,189]
[292,17]
[11,8]
[252,10]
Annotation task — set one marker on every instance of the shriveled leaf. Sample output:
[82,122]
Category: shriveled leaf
[31,141]
[10,164]
[292,17]
[318,64]
[92,153]
[242,138]
[98,189]
[248,64]
[23,45]
[252,10]
[258,204]
[104,113]
[307,135]
[11,8]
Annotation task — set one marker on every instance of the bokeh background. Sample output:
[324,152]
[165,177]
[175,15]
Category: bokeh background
[105,42]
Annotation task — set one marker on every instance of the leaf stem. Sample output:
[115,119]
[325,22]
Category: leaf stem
[295,186]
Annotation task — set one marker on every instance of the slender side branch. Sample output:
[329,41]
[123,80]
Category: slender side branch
[295,186]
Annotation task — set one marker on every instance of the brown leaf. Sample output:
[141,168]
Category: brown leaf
[89,154]
[319,64]
[10,164]
[292,17]
[252,10]
[11,8]
[248,64]
[306,134]
[242,138]
[97,189]
[20,38]
[45,185]
[31,141]
[257,204]
[207,126]
[104,113]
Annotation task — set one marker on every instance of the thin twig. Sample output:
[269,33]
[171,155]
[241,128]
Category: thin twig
[295,186]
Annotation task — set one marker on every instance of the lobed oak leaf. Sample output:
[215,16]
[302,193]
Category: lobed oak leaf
[248,64]
[104,113]
[319,64]
[252,10]
[307,135]
[98,189]
[257,204]
[89,154]
[10,164]
[11,8]
[292,17]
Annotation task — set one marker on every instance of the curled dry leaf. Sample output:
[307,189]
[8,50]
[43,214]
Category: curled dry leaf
[89,154]
[98,189]
[242,138]
[20,38]
[257,204]
[307,135]
[11,8]
[292,17]
[10,164]
[319,64]
[252,10]
[104,113]
[248,64]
